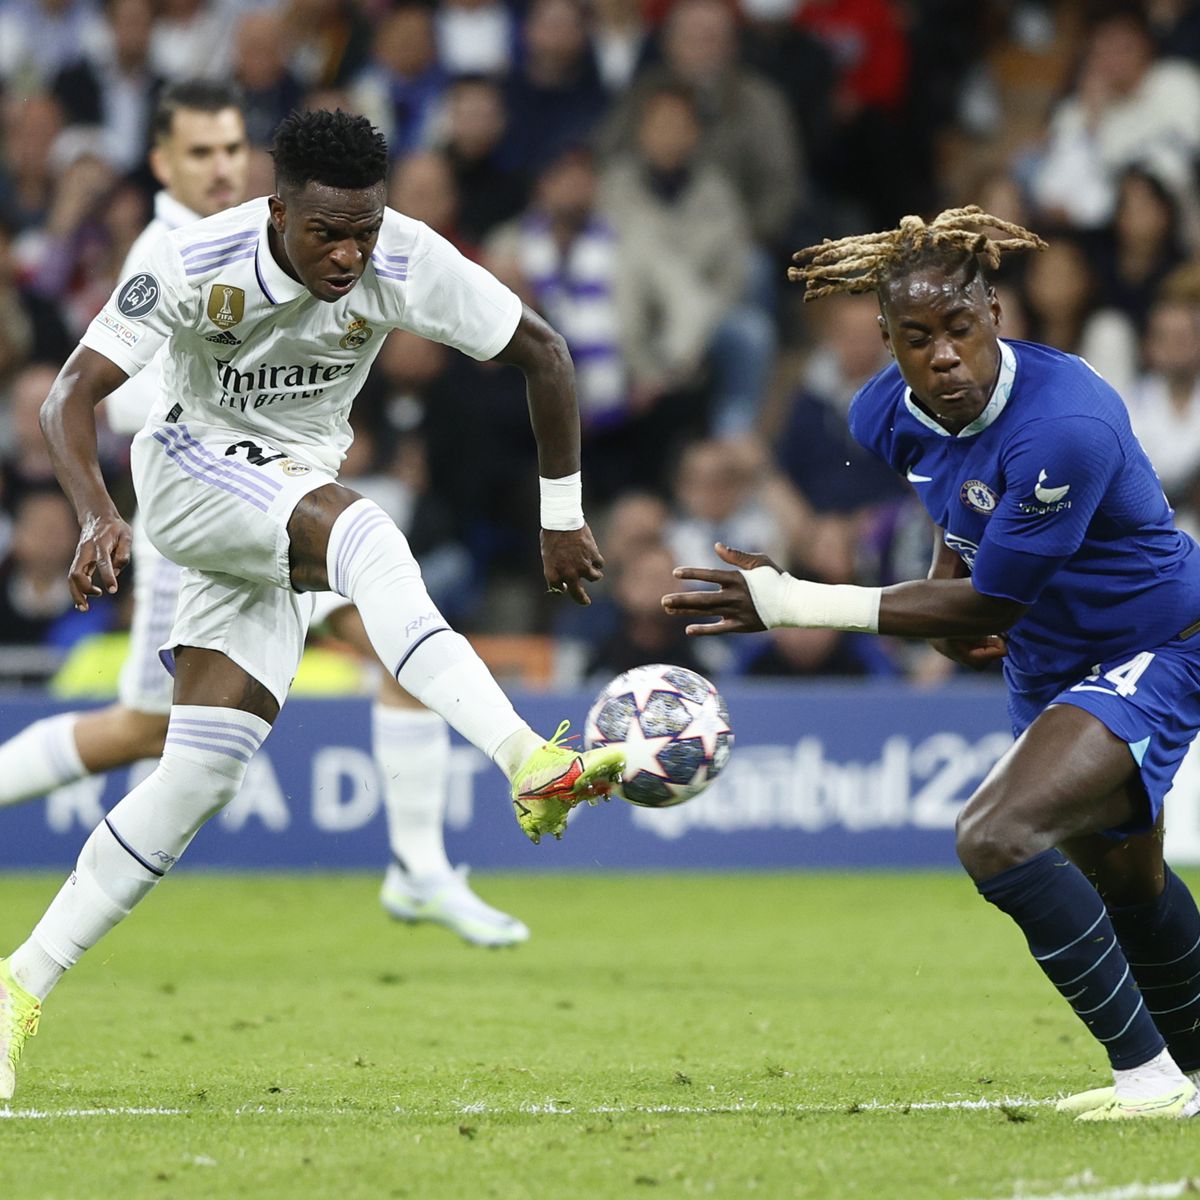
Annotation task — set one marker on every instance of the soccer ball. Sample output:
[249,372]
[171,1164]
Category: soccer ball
[676,730]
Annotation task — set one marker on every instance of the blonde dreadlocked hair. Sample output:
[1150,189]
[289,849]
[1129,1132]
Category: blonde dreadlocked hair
[868,261]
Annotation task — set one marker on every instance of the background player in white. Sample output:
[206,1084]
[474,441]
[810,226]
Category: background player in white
[200,156]
[243,495]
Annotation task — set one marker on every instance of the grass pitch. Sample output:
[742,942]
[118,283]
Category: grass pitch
[730,1036]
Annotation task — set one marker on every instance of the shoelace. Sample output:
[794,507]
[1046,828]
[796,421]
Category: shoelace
[559,740]
[25,1024]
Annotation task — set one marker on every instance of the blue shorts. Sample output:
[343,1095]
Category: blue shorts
[1150,700]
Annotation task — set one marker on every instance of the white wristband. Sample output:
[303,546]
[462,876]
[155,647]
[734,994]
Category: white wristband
[562,501]
[781,600]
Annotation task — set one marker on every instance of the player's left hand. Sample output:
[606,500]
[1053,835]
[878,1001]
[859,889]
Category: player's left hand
[102,554]
[731,601]
[569,556]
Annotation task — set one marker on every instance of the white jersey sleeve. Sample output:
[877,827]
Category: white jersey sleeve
[452,300]
[144,311]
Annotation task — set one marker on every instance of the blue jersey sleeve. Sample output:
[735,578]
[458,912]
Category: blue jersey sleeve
[1056,473]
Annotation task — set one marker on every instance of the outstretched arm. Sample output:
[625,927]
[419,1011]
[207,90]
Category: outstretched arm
[569,552]
[758,596]
[68,420]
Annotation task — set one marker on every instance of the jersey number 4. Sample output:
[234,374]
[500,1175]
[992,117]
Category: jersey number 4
[1124,679]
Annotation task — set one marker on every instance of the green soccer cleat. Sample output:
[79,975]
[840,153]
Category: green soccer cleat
[447,899]
[1082,1102]
[19,1016]
[555,778]
[1183,1101]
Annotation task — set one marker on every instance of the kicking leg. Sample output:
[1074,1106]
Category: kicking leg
[220,717]
[342,542]
[1068,777]
[411,746]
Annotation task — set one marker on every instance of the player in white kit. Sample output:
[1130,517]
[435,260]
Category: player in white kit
[236,477]
[200,157]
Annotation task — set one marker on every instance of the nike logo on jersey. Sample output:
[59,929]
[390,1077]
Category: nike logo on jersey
[913,477]
[1049,495]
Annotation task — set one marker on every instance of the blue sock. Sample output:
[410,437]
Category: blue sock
[1071,937]
[1161,940]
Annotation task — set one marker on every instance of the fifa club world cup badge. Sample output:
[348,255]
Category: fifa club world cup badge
[226,305]
[356,335]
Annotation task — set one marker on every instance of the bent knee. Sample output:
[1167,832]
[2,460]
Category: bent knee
[989,839]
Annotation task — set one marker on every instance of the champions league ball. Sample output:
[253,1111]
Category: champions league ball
[676,729]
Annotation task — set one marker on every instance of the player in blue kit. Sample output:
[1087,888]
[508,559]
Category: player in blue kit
[1056,551]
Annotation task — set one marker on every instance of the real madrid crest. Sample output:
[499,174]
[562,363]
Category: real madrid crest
[356,335]
[226,305]
[977,495]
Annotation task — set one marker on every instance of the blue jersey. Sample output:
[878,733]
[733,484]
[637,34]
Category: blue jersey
[1049,500]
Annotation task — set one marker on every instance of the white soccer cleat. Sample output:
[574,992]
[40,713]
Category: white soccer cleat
[447,899]
[19,1016]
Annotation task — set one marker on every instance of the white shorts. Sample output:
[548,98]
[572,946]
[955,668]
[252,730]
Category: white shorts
[145,684]
[218,503]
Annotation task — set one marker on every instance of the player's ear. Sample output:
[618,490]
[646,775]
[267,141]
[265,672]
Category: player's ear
[883,333]
[278,211]
[158,166]
[994,306]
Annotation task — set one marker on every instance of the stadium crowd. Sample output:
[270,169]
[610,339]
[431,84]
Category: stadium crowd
[639,171]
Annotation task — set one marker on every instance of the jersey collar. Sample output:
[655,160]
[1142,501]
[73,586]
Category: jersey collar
[171,213]
[994,407]
[276,284]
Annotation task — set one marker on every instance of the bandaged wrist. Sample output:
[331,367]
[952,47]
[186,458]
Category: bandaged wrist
[781,600]
[562,502]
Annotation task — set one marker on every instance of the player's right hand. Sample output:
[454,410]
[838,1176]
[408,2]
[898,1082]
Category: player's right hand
[975,653]
[102,554]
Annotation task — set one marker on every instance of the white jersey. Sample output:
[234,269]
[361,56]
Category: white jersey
[252,351]
[128,407]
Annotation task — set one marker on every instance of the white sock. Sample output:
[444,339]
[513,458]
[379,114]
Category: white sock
[141,839]
[369,563]
[39,759]
[412,748]
[1151,1079]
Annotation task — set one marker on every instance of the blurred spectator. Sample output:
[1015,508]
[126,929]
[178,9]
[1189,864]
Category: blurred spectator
[31,125]
[720,495]
[270,91]
[1164,404]
[634,523]
[554,96]
[27,464]
[193,39]
[686,261]
[746,127]
[475,37]
[475,120]
[1146,245]
[1125,109]
[400,90]
[815,449]
[869,149]
[422,187]
[620,41]
[1176,26]
[642,632]
[331,41]
[561,256]
[30,328]
[114,87]
[813,652]
[1059,290]
[39,38]
[35,600]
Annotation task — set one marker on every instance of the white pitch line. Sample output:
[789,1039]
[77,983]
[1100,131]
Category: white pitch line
[547,1108]
[1130,1191]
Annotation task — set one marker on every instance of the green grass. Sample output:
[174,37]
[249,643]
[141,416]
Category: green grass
[695,1036]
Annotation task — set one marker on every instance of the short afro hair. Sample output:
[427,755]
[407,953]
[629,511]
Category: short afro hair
[334,148]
